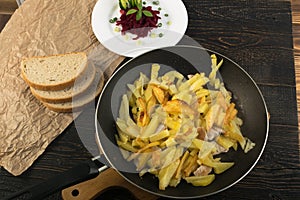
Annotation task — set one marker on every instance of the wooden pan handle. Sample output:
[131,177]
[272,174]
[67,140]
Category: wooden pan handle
[92,188]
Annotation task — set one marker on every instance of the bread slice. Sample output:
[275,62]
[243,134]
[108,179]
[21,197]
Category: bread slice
[53,72]
[65,95]
[82,100]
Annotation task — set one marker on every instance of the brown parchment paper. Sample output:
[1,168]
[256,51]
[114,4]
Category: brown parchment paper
[39,27]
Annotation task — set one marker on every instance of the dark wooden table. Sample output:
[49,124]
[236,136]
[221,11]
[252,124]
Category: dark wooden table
[258,35]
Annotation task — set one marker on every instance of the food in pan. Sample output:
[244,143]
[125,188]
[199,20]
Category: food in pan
[176,128]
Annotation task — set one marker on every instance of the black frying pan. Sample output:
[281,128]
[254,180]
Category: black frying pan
[187,60]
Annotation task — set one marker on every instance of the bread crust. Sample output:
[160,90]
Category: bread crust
[65,109]
[73,107]
[59,86]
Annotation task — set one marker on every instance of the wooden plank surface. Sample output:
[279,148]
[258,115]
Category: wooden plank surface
[245,31]
[8,6]
[3,20]
[296,34]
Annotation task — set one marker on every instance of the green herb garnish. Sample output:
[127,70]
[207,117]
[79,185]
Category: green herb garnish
[147,13]
[113,20]
[131,11]
[155,2]
[139,11]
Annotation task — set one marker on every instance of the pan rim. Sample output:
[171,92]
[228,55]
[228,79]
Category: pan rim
[186,197]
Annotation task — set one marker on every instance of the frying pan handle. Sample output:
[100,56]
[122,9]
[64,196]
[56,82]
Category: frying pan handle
[82,172]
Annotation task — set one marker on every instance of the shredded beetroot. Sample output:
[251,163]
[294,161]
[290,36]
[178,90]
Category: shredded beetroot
[140,28]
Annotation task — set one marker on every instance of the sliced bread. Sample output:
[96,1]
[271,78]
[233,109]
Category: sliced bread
[82,100]
[53,72]
[65,95]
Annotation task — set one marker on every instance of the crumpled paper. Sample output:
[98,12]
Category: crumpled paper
[39,27]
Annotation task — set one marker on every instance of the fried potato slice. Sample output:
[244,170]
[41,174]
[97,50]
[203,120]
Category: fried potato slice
[177,106]
[219,167]
[230,113]
[180,167]
[192,166]
[173,107]
[160,94]
[150,104]
[165,174]
[225,142]
[142,115]
[158,136]
[127,146]
[200,180]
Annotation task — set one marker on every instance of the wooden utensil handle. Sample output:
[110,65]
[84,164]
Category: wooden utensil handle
[82,172]
[92,188]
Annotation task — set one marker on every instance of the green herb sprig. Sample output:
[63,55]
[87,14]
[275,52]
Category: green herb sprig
[139,11]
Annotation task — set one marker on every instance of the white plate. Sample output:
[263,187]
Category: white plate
[105,32]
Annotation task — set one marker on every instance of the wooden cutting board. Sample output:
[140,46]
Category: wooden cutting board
[106,181]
